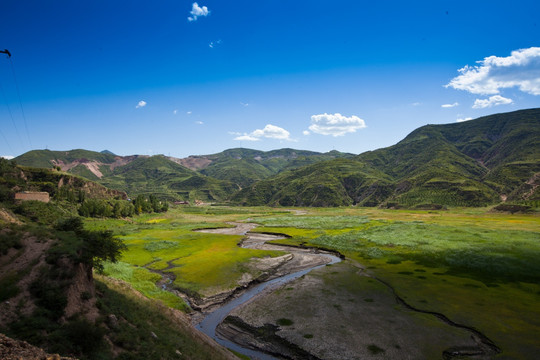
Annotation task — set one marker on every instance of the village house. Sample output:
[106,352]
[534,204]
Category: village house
[32,195]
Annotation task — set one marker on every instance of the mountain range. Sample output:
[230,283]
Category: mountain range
[484,161]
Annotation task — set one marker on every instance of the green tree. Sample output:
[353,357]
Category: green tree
[92,247]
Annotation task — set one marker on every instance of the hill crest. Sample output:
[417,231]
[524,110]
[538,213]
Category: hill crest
[477,162]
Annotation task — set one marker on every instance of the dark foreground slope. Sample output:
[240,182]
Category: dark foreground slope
[479,162]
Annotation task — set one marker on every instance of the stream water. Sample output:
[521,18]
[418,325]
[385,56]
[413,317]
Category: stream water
[302,263]
[212,320]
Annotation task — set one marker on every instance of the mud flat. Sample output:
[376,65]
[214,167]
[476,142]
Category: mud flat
[298,262]
[337,312]
[306,310]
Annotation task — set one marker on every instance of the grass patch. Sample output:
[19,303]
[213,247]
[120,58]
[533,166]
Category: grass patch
[8,286]
[285,322]
[139,319]
[374,349]
[495,252]
[144,281]
[314,222]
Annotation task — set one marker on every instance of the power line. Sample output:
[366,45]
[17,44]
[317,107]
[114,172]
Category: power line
[20,101]
[5,139]
[10,114]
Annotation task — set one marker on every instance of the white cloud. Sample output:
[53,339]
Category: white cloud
[140,104]
[464,119]
[8,157]
[494,100]
[175,111]
[197,11]
[213,44]
[450,105]
[246,137]
[416,104]
[336,124]
[244,104]
[188,112]
[270,131]
[305,132]
[521,69]
[199,122]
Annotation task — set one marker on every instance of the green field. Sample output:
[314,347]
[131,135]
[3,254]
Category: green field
[203,264]
[477,267]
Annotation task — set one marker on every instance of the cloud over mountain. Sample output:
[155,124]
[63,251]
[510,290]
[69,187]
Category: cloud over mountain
[335,124]
[494,100]
[521,69]
[270,131]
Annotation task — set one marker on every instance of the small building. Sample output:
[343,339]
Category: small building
[32,195]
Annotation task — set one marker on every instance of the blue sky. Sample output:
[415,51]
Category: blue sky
[181,78]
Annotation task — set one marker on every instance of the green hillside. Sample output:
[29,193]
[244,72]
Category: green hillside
[331,183]
[473,163]
[49,158]
[133,174]
[159,176]
[246,166]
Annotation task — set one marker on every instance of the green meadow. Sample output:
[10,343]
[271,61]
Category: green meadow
[202,264]
[480,269]
[477,267]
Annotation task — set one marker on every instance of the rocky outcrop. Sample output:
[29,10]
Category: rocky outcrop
[11,349]
[263,338]
[91,189]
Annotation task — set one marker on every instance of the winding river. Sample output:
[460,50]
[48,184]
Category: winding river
[299,262]
[302,262]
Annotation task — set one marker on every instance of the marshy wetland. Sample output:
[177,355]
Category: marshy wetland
[412,285]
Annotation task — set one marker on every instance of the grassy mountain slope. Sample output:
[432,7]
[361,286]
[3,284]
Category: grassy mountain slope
[133,174]
[246,166]
[166,179]
[49,158]
[472,163]
[331,183]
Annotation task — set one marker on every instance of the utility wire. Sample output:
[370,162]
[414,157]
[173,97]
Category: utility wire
[10,114]
[20,101]
[5,139]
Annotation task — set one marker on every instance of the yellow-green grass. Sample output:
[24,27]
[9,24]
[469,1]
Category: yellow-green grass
[477,267]
[144,281]
[203,263]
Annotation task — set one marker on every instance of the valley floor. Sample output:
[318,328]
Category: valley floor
[475,268]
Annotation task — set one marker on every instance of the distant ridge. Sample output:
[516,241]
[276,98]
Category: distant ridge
[479,162]
[107,152]
[484,161]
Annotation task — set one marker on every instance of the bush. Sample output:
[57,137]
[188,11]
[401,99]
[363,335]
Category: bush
[39,212]
[9,238]
[512,208]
